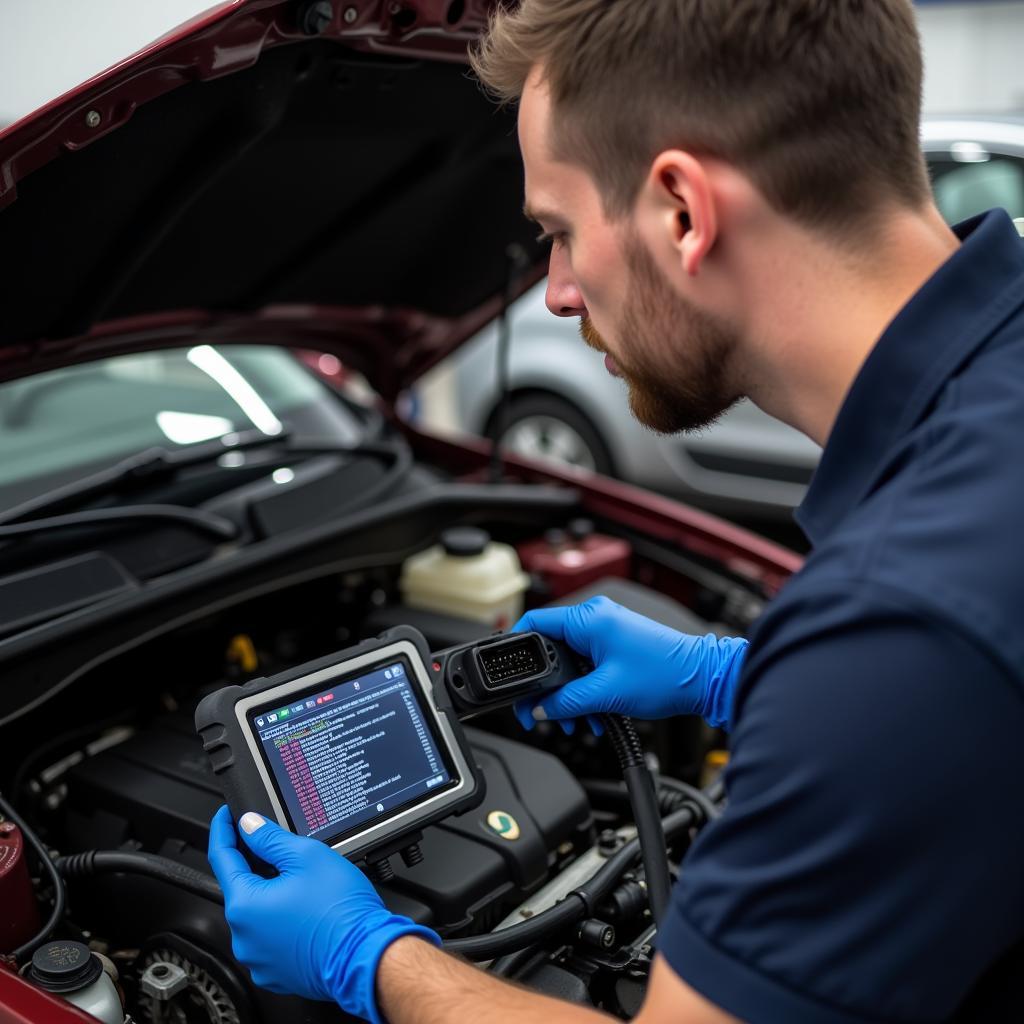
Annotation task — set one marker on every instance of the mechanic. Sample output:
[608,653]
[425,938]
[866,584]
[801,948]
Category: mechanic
[739,207]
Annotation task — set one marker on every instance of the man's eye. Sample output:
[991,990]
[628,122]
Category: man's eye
[556,238]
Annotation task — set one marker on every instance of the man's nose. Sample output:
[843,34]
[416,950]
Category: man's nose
[563,295]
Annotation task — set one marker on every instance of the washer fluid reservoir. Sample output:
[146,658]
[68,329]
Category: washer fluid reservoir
[71,970]
[467,575]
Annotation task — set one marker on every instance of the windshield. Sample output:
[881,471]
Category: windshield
[60,425]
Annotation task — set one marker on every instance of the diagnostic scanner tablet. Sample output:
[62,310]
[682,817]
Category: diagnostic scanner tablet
[361,749]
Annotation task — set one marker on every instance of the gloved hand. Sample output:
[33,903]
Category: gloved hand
[318,929]
[641,668]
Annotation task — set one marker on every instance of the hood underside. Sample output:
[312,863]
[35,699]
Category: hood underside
[323,187]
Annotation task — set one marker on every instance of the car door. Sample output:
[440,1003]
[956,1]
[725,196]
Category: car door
[976,166]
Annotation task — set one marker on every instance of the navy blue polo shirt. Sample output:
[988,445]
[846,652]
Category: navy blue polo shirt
[869,866]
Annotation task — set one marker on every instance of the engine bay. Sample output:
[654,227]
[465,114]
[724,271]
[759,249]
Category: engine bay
[130,775]
[105,772]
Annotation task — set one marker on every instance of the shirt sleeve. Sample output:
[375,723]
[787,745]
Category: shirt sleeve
[868,865]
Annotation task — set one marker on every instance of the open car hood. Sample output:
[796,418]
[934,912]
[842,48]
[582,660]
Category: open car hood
[268,174]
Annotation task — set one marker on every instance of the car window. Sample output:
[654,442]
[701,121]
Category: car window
[970,183]
[69,421]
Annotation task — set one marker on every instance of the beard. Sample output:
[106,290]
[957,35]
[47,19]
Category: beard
[674,358]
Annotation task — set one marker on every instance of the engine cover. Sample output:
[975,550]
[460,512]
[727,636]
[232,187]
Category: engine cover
[155,792]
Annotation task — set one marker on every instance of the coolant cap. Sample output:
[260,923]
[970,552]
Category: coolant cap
[64,966]
[465,541]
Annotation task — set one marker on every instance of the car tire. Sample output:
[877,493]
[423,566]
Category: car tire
[549,428]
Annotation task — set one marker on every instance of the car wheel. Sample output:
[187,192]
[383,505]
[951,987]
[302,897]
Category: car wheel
[551,429]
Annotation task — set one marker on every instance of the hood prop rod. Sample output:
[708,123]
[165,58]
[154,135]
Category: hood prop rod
[516,264]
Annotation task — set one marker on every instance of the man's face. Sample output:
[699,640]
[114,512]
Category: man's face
[674,357]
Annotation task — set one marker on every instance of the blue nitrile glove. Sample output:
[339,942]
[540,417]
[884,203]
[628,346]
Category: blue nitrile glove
[641,668]
[318,929]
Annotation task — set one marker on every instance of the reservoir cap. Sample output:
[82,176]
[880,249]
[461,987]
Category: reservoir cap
[64,966]
[465,541]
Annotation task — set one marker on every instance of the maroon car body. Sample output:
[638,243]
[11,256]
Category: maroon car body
[268,175]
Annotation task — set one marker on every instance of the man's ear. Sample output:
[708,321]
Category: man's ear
[680,188]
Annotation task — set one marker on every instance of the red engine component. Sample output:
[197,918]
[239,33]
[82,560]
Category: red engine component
[567,560]
[19,921]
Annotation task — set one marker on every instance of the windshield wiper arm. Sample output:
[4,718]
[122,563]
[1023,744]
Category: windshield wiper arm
[147,465]
[203,522]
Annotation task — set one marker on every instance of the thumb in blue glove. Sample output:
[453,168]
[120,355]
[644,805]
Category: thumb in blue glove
[641,668]
[318,929]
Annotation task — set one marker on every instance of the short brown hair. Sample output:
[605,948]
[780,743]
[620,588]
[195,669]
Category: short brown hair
[817,101]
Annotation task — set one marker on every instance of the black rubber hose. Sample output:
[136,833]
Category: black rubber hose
[671,795]
[518,936]
[643,798]
[59,892]
[580,903]
[131,862]
[705,801]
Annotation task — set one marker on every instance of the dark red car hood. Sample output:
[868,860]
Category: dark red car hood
[250,179]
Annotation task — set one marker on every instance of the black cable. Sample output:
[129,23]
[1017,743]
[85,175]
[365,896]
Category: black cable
[624,739]
[578,904]
[133,862]
[59,892]
[204,522]
[644,801]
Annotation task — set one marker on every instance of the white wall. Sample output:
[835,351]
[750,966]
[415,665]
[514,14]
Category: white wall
[974,50]
[974,56]
[49,46]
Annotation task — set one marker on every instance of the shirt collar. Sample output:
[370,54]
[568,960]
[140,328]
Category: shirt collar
[957,311]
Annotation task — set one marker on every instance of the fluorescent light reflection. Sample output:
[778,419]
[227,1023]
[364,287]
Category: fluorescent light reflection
[192,427]
[283,476]
[970,153]
[215,366]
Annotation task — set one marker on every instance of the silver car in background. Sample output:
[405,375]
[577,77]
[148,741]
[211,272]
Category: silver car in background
[565,407]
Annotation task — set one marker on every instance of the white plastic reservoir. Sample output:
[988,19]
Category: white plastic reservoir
[467,575]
